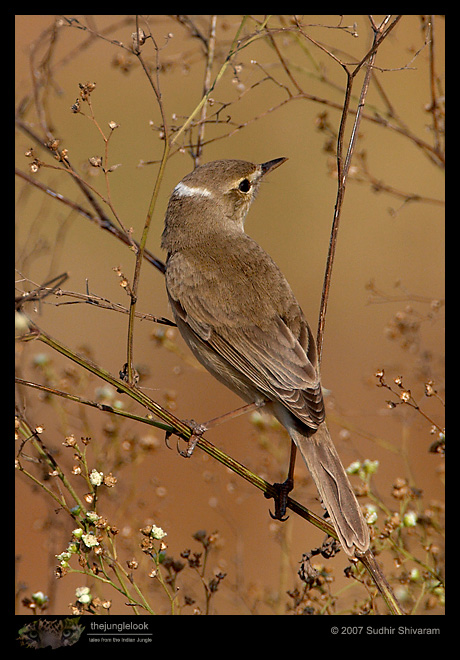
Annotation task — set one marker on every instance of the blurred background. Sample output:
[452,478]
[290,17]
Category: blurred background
[280,95]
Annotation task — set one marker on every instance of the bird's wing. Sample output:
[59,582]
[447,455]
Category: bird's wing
[278,362]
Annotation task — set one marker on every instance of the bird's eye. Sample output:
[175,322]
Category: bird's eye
[245,185]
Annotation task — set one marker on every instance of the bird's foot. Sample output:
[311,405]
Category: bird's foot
[197,432]
[281,498]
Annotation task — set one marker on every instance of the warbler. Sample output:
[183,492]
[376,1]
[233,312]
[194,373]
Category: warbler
[237,313]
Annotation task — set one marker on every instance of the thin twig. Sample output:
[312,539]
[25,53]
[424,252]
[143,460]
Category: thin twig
[94,404]
[101,219]
[210,50]
[370,563]
[343,164]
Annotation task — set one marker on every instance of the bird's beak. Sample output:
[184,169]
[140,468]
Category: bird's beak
[271,165]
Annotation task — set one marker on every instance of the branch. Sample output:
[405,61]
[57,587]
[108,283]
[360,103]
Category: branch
[343,165]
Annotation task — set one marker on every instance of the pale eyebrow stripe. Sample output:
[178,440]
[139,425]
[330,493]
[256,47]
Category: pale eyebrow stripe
[182,190]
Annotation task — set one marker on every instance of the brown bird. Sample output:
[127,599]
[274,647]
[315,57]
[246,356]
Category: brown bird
[237,313]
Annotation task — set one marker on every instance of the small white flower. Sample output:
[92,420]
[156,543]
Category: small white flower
[410,519]
[354,467]
[64,555]
[92,516]
[414,575]
[39,597]
[157,533]
[64,558]
[96,478]
[371,514]
[79,591]
[370,467]
[83,595]
[89,540]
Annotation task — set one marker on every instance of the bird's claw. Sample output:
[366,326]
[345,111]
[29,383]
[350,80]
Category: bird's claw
[197,432]
[281,498]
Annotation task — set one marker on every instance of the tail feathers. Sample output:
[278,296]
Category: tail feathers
[332,482]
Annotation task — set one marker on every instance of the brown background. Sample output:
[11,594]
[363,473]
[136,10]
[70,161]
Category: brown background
[291,219]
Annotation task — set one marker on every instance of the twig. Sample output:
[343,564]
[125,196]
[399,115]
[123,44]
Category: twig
[370,564]
[101,219]
[94,404]
[40,292]
[104,303]
[343,164]
[210,50]
[168,142]
[434,107]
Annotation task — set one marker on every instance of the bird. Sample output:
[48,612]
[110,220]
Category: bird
[237,313]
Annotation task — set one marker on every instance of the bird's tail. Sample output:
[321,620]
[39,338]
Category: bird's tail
[334,487]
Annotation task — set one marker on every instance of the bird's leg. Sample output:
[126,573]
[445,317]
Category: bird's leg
[284,488]
[232,415]
[199,429]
